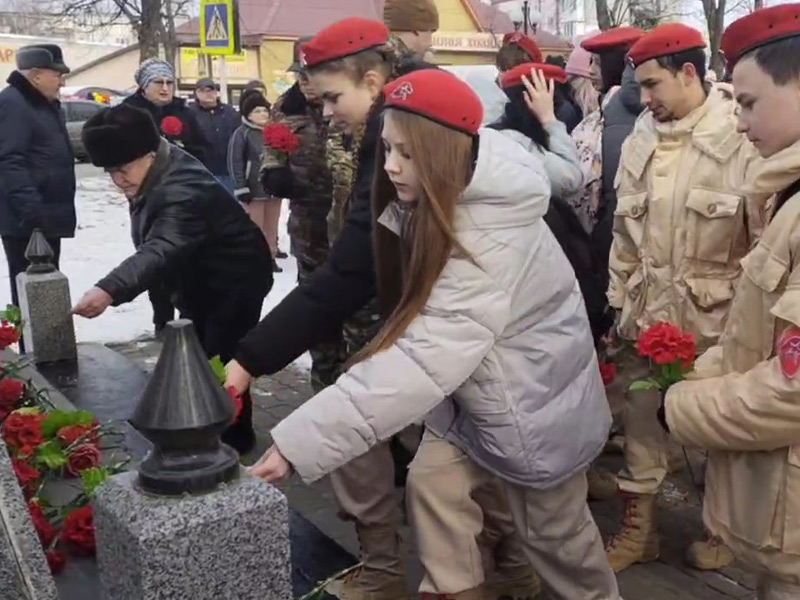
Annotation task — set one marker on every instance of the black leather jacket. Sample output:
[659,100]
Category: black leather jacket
[191,233]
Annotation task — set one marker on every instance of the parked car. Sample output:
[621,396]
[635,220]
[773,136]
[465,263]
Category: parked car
[483,80]
[77,112]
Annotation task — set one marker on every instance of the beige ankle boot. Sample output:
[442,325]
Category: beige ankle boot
[637,541]
[382,576]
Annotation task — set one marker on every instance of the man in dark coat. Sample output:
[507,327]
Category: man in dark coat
[37,167]
[218,121]
[189,232]
[156,95]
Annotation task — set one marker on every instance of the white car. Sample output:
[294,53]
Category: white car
[483,80]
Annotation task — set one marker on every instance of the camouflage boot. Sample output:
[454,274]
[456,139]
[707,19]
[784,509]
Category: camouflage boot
[382,576]
[521,584]
[637,541]
[602,484]
[477,593]
[709,554]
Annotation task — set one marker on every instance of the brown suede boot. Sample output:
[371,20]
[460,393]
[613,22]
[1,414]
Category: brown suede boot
[602,484]
[382,576]
[709,554]
[521,584]
[637,541]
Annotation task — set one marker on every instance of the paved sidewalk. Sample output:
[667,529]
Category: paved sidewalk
[680,522]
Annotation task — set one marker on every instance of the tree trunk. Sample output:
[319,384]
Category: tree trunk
[758,4]
[715,20]
[149,29]
[168,35]
[603,16]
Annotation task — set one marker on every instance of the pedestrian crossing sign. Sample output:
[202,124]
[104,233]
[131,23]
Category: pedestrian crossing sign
[219,27]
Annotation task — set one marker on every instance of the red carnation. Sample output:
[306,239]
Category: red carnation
[237,401]
[279,138]
[8,335]
[70,434]
[85,456]
[27,476]
[11,391]
[22,430]
[56,560]
[171,126]
[43,527]
[666,344]
[608,371]
[78,531]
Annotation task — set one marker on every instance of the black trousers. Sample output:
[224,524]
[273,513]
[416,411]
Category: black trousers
[17,263]
[163,310]
[220,328]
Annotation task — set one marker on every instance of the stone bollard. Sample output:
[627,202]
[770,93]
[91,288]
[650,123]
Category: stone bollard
[44,301]
[191,523]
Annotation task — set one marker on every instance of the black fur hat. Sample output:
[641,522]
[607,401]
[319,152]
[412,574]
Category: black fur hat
[118,135]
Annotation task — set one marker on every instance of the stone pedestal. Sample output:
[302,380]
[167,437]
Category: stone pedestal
[232,542]
[45,303]
[24,574]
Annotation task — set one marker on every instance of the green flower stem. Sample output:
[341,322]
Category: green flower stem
[317,591]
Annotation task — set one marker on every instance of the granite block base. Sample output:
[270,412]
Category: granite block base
[47,323]
[230,543]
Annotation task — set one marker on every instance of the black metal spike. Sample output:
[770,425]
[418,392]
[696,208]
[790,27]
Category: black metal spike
[39,254]
[182,412]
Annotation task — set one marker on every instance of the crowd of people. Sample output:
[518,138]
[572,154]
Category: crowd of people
[459,279]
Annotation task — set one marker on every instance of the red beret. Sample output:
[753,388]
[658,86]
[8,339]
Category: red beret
[513,77]
[530,47]
[759,28]
[665,40]
[619,37]
[439,96]
[344,38]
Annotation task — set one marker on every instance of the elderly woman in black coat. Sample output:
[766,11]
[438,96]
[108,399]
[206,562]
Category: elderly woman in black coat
[189,232]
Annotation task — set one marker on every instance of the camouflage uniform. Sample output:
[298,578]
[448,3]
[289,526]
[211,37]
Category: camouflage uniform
[359,329]
[309,204]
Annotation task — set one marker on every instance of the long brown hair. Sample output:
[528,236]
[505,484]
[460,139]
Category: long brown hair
[409,265]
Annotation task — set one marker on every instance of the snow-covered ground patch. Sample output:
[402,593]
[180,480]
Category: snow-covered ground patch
[102,241]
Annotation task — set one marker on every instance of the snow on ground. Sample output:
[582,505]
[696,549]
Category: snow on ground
[101,242]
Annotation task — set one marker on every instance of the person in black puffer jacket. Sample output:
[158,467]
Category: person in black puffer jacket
[189,232]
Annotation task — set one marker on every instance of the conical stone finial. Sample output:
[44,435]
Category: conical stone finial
[182,412]
[39,254]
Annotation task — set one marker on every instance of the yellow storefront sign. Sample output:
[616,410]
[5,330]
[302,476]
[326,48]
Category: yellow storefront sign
[466,42]
[8,54]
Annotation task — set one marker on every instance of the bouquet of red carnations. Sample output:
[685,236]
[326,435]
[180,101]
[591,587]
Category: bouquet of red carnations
[280,141]
[670,350]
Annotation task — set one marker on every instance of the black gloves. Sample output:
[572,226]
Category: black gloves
[278,182]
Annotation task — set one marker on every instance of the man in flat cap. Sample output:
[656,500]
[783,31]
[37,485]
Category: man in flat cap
[37,167]
[189,233]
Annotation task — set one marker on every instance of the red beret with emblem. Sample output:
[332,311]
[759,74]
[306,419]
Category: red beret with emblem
[344,38]
[665,40]
[439,96]
[513,77]
[758,29]
[619,37]
[530,47]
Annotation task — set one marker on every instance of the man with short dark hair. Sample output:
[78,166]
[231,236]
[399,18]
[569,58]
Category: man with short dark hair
[37,167]
[218,121]
[742,404]
[189,234]
[681,226]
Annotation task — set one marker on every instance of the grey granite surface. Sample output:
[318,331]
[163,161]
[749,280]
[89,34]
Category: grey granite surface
[47,324]
[230,543]
[24,574]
